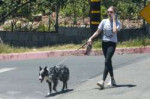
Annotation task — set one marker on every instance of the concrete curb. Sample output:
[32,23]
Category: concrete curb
[58,53]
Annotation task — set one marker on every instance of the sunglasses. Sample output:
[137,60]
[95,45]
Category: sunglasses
[109,11]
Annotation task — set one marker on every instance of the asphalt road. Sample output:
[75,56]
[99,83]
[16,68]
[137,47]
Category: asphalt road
[19,79]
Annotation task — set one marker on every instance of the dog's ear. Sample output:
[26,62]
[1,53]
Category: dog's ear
[45,68]
[55,67]
[40,68]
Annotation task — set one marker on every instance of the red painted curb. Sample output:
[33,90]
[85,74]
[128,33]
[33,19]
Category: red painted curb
[145,49]
[46,54]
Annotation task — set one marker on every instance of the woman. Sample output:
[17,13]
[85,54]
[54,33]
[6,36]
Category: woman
[109,26]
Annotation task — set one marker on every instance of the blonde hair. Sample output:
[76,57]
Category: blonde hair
[114,9]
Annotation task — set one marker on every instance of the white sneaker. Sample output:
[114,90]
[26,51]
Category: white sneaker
[111,83]
[100,84]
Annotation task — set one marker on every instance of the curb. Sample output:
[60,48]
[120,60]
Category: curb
[59,53]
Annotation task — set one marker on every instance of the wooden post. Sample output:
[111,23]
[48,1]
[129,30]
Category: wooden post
[95,14]
[144,26]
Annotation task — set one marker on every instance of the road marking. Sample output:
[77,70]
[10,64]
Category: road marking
[6,69]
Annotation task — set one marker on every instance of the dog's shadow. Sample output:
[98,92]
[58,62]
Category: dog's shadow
[61,92]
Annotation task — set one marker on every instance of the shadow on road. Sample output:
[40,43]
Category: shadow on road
[119,85]
[126,85]
[61,92]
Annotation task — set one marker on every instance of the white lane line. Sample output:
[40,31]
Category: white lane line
[6,69]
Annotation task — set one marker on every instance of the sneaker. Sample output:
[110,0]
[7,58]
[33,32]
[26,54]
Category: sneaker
[111,83]
[100,84]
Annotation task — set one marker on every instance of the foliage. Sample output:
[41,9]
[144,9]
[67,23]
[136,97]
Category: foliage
[76,8]
[127,9]
[103,12]
[42,27]
[7,27]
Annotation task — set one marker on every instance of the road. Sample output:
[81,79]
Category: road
[19,79]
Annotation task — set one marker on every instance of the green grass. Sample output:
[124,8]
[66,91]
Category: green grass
[138,42]
[5,48]
[10,49]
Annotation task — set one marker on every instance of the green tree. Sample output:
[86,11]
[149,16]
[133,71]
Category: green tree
[127,9]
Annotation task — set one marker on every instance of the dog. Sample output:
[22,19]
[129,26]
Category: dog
[53,74]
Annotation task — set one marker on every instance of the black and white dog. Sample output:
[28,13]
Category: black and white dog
[53,74]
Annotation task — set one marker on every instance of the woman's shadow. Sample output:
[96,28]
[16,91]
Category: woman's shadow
[120,85]
[126,85]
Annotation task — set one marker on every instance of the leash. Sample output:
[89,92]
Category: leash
[75,52]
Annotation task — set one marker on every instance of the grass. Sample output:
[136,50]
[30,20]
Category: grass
[10,49]
[138,42]
[4,48]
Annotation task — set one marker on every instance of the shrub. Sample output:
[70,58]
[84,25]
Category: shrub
[7,27]
[42,27]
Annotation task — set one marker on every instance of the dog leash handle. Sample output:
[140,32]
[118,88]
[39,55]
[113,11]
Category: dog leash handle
[88,49]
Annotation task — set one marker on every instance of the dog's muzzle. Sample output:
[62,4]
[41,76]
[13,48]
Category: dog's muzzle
[41,79]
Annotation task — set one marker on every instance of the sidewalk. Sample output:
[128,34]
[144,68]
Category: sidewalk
[58,53]
[132,80]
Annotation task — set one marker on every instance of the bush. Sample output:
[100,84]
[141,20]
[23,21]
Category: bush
[7,27]
[42,27]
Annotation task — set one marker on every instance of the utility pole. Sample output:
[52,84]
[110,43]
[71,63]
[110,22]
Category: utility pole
[95,14]
[57,11]
[143,19]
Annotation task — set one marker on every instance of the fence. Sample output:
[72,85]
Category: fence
[64,36]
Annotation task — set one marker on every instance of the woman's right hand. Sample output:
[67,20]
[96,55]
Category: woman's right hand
[89,41]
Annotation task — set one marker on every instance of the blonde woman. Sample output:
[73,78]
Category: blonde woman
[110,27]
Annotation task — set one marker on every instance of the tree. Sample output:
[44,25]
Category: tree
[12,7]
[126,8]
